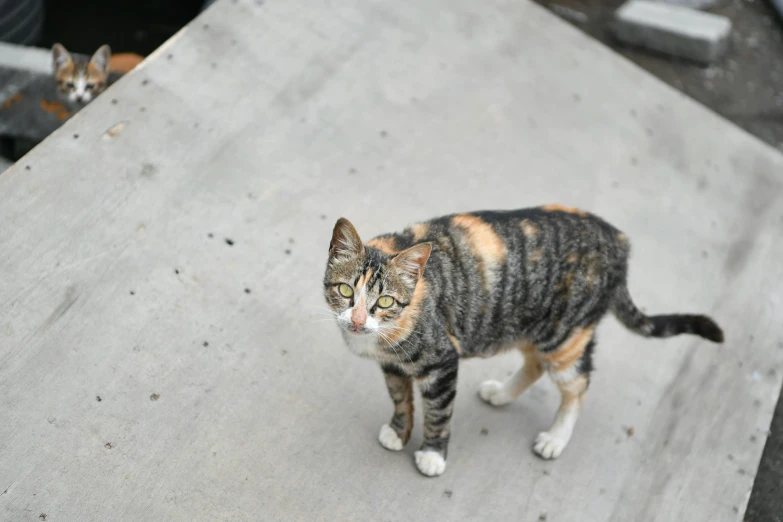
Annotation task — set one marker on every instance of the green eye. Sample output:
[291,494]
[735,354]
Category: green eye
[385,301]
[345,290]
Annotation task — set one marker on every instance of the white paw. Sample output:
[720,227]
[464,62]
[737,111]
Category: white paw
[430,463]
[494,393]
[549,445]
[389,438]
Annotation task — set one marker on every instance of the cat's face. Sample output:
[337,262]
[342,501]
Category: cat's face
[373,295]
[77,81]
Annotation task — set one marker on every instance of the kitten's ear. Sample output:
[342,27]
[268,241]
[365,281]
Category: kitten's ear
[60,57]
[100,60]
[345,240]
[411,262]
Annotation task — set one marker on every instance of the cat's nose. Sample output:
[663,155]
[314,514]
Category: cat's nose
[358,318]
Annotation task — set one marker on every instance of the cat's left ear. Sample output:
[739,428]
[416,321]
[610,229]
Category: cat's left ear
[345,240]
[410,263]
[100,60]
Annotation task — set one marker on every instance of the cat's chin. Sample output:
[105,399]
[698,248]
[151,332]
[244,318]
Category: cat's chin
[363,344]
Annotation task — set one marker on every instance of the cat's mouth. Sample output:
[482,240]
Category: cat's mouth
[357,331]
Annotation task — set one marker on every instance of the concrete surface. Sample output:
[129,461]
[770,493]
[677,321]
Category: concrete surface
[674,30]
[140,381]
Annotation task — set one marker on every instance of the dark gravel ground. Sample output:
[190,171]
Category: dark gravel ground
[746,87]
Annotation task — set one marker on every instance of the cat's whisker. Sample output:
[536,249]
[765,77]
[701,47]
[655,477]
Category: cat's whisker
[398,343]
[402,340]
[407,332]
[390,344]
[323,309]
[324,314]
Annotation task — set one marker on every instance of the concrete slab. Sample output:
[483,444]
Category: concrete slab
[139,380]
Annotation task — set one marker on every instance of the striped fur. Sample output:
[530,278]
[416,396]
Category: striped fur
[472,285]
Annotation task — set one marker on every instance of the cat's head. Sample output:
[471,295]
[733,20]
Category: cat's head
[77,80]
[373,293]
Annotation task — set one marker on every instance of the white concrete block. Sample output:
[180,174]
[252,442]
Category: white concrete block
[22,57]
[674,30]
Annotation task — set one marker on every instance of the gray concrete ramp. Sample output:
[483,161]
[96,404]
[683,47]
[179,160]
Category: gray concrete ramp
[164,354]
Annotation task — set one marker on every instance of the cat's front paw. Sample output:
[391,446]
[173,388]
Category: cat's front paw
[549,445]
[389,438]
[430,463]
[494,393]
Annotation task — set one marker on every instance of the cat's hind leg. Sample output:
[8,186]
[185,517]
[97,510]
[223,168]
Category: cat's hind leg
[499,393]
[569,366]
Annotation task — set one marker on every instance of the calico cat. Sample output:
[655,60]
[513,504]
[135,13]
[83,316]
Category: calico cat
[79,81]
[538,280]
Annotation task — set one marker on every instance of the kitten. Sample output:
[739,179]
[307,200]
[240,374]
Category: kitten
[538,280]
[79,81]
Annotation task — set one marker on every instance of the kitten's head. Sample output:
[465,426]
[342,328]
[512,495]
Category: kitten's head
[79,81]
[373,293]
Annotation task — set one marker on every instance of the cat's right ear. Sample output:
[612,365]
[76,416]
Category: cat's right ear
[101,59]
[60,57]
[411,262]
[345,240]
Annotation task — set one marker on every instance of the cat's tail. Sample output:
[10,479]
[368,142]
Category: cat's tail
[661,325]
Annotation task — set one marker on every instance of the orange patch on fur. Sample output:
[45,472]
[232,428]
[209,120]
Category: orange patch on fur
[487,246]
[364,278]
[570,351]
[419,231]
[407,319]
[575,389]
[455,342]
[535,255]
[622,238]
[57,108]
[528,228]
[406,409]
[527,347]
[593,267]
[572,258]
[65,72]
[95,74]
[387,245]
[556,207]
[16,98]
